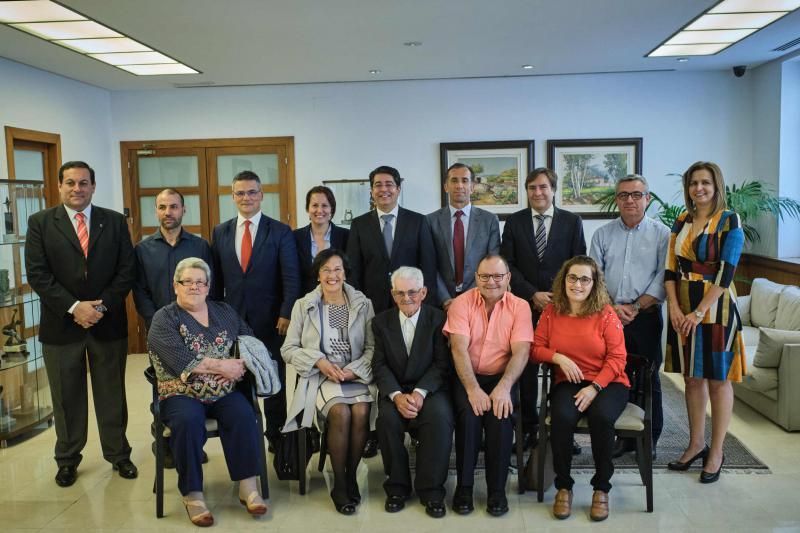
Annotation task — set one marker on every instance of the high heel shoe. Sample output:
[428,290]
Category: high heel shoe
[344,505]
[711,477]
[678,465]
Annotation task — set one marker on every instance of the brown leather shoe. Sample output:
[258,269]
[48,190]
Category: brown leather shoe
[562,506]
[599,511]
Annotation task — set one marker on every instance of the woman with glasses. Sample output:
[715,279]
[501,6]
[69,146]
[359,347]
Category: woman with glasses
[190,343]
[330,346]
[580,333]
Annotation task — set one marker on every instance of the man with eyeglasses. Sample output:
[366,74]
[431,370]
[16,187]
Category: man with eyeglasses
[411,366]
[536,242]
[631,251]
[490,333]
[256,271]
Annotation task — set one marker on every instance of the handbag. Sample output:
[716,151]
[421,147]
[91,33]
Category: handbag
[287,455]
[532,468]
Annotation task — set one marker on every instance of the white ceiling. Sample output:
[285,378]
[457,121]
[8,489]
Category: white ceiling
[246,42]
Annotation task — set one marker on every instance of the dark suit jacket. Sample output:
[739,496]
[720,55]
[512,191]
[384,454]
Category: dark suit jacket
[270,286]
[302,238]
[428,366]
[371,266]
[61,275]
[528,274]
[483,237]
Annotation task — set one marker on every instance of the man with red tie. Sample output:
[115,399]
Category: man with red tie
[256,271]
[80,261]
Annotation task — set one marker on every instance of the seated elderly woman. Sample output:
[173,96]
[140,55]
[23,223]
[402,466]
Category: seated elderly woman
[330,345]
[580,332]
[190,344]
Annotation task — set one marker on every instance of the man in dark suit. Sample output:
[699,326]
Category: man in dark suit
[256,271]
[411,365]
[383,240]
[80,261]
[462,235]
[536,242]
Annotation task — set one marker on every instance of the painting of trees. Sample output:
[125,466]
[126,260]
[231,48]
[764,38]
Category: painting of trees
[577,169]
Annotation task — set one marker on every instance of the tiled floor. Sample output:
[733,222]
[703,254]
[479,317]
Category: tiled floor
[102,501]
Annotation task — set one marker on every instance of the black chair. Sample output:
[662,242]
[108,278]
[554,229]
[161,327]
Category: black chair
[247,387]
[303,439]
[634,422]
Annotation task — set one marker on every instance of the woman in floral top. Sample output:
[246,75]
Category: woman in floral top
[190,344]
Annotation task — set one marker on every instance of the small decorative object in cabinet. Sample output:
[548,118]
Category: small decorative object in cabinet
[24,390]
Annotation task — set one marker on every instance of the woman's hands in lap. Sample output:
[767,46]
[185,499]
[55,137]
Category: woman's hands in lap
[570,369]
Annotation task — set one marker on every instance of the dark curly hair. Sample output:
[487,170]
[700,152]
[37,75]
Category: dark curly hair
[598,296]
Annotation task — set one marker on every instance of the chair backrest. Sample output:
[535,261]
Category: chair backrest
[639,370]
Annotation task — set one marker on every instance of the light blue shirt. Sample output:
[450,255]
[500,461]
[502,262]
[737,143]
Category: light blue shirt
[632,259]
[314,250]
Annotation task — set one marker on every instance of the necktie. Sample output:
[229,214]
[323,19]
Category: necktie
[408,334]
[387,232]
[247,245]
[83,233]
[458,247]
[541,237]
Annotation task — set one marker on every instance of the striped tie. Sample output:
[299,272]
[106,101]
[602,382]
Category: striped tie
[541,236]
[83,233]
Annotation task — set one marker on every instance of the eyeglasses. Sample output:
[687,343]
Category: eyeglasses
[411,294]
[623,196]
[253,193]
[496,277]
[572,279]
[192,283]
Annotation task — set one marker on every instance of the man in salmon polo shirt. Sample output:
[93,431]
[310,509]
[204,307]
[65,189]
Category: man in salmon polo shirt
[490,333]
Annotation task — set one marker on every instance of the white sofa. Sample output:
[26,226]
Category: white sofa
[771,318]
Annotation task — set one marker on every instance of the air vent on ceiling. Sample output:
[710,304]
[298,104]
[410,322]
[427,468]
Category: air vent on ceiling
[786,46]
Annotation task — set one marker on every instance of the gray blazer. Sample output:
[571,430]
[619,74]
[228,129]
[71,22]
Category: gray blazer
[483,237]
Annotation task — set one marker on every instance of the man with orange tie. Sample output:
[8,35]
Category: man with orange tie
[256,271]
[462,235]
[80,261]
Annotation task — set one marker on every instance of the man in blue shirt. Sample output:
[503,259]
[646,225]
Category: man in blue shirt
[631,251]
[158,254]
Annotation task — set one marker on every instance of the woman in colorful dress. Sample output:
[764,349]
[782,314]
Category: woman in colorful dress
[330,346]
[705,340]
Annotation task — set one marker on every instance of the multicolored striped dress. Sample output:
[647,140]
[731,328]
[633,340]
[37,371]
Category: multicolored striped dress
[698,259]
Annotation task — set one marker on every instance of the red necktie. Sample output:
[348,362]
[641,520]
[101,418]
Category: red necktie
[458,247]
[83,233]
[247,245]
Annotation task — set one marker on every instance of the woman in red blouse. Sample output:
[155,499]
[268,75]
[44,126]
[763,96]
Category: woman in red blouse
[580,333]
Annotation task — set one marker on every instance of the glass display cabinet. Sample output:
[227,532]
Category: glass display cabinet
[24,390]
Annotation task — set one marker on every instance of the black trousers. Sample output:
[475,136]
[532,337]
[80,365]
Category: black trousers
[238,431]
[469,432]
[433,428]
[66,373]
[643,337]
[275,406]
[602,413]
[529,395]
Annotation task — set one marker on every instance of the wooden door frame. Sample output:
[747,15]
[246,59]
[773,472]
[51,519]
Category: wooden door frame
[52,158]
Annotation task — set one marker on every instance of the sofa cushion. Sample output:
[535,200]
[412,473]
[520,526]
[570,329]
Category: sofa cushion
[770,346]
[743,305]
[763,380]
[764,296]
[788,315]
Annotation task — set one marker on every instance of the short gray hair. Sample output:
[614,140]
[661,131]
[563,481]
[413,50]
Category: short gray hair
[409,273]
[191,262]
[633,177]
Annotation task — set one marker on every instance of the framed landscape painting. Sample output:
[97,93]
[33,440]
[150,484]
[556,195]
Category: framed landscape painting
[500,168]
[589,169]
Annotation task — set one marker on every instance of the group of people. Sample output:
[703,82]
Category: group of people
[429,325]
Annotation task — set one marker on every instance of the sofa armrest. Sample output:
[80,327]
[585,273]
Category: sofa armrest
[743,304]
[789,387]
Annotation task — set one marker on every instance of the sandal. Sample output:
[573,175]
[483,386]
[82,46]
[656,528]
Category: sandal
[254,504]
[199,513]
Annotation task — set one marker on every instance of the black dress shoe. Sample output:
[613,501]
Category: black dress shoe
[394,504]
[497,505]
[711,477]
[343,504]
[370,449]
[677,465]
[623,446]
[462,501]
[126,469]
[435,508]
[576,448]
[66,475]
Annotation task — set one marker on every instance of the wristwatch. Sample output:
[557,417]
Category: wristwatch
[699,314]
[636,306]
[597,387]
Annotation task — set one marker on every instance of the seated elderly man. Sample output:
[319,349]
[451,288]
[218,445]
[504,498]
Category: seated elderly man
[490,333]
[411,365]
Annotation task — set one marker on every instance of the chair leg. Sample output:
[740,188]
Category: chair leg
[158,485]
[520,455]
[302,435]
[262,451]
[648,461]
[543,436]
[323,449]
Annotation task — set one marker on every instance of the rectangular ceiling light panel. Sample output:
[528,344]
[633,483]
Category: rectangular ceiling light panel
[104,46]
[134,58]
[83,29]
[35,11]
[734,21]
[158,70]
[754,6]
[710,36]
[667,50]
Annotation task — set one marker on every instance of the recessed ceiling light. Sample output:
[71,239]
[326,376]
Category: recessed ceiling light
[667,50]
[374,71]
[412,43]
[134,58]
[710,36]
[683,59]
[35,11]
[744,6]
[158,70]
[81,29]
[104,46]
[527,67]
[734,21]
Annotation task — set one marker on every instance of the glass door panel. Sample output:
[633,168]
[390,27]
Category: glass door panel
[264,165]
[29,164]
[147,206]
[168,171]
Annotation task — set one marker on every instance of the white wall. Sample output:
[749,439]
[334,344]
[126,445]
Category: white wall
[345,130]
[80,113]
[789,184]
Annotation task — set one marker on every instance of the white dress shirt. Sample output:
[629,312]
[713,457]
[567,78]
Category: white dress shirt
[408,327]
[394,221]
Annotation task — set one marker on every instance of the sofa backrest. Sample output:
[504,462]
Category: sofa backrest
[764,298]
[788,314]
